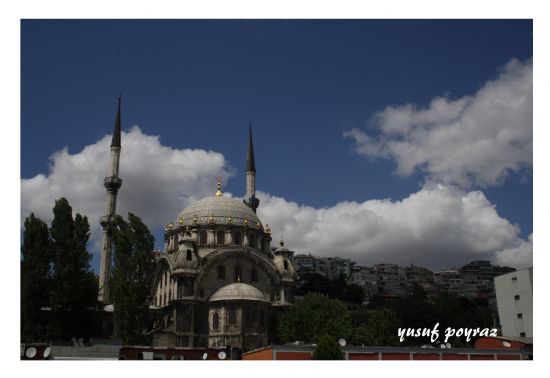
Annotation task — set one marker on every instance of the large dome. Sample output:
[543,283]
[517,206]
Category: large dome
[238,291]
[218,210]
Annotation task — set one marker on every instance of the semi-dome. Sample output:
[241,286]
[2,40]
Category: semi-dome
[238,291]
[219,210]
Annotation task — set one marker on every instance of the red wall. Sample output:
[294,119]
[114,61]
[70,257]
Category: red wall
[362,356]
[396,356]
[423,356]
[293,356]
[448,356]
[482,357]
[262,354]
[508,357]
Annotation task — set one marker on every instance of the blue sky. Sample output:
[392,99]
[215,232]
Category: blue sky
[303,84]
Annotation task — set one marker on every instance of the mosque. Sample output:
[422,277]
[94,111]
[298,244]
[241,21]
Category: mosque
[218,283]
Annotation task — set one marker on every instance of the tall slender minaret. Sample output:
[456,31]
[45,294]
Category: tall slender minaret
[250,196]
[112,184]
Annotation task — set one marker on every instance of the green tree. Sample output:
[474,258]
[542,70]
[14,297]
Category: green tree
[327,349]
[315,316]
[35,276]
[379,330]
[74,284]
[132,278]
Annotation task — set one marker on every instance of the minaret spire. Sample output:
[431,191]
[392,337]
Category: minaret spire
[112,184]
[115,142]
[250,196]
[250,165]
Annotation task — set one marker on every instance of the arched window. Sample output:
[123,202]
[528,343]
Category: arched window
[237,238]
[220,237]
[221,272]
[286,264]
[203,237]
[189,256]
[252,241]
[216,322]
[237,273]
[253,275]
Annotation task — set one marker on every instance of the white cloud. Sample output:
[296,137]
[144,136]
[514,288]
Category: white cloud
[473,141]
[157,181]
[436,227]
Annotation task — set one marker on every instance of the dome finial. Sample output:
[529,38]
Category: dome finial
[219,192]
[282,241]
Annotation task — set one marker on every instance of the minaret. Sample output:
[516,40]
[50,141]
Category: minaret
[112,184]
[250,196]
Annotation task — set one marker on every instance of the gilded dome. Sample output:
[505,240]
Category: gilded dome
[219,210]
[238,291]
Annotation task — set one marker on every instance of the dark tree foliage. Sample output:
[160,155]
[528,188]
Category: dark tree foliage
[132,278]
[353,294]
[337,288]
[35,277]
[315,316]
[315,283]
[74,290]
[447,310]
[327,349]
[380,329]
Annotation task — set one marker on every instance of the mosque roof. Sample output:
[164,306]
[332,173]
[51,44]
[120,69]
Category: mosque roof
[219,210]
[238,291]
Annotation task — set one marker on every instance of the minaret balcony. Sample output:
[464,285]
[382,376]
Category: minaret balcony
[112,183]
[106,220]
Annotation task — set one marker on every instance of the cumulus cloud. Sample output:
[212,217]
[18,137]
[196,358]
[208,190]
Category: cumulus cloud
[472,141]
[438,226]
[157,181]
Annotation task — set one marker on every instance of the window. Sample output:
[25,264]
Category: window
[516,297]
[253,275]
[232,315]
[237,238]
[237,273]
[520,316]
[251,316]
[514,279]
[220,237]
[251,241]
[522,334]
[203,237]
[189,255]
[262,321]
[286,264]
[216,322]
[221,272]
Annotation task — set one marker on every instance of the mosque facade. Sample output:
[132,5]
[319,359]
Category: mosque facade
[218,282]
